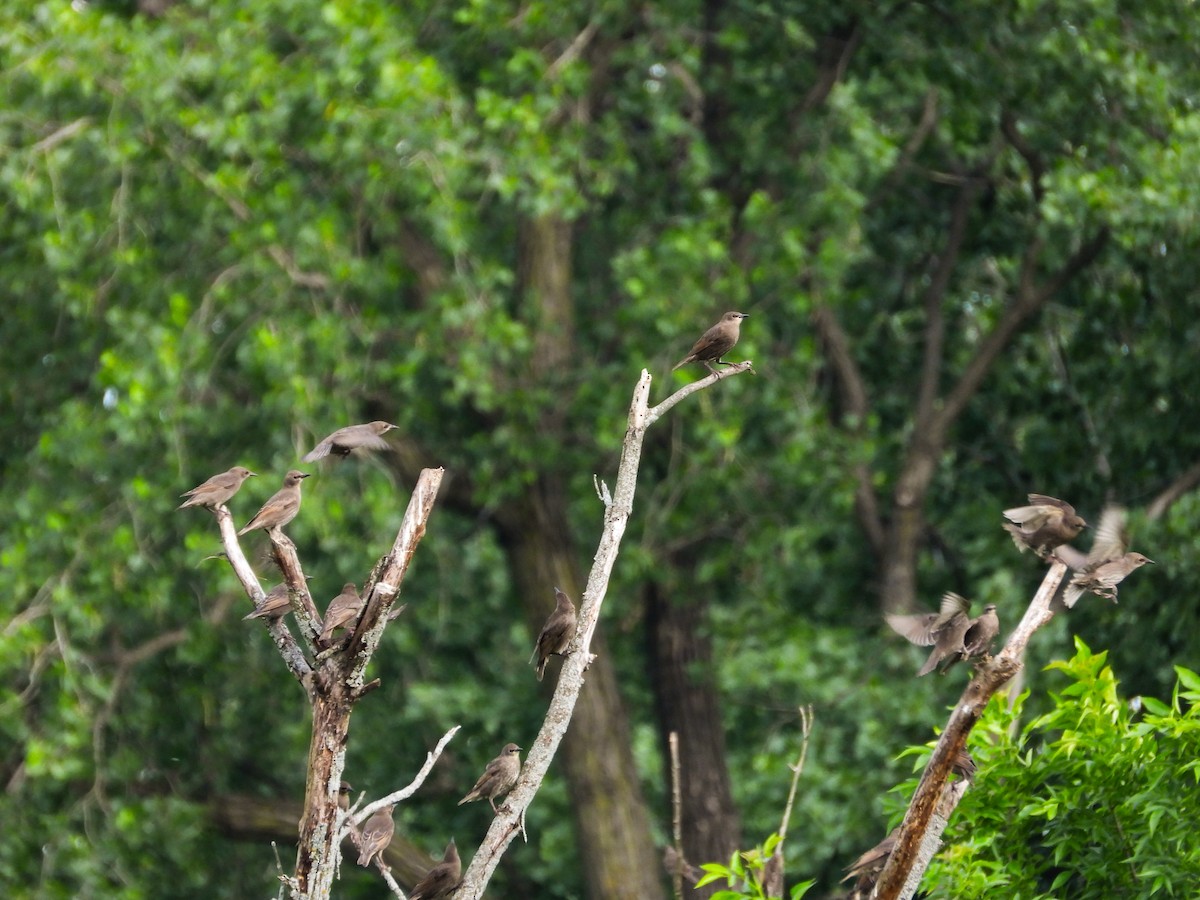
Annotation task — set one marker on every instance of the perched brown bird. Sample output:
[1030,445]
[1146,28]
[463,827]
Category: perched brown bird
[498,778]
[1108,562]
[342,611]
[715,342]
[868,866]
[556,633]
[344,790]
[282,507]
[964,765]
[442,878]
[1043,525]
[217,490]
[943,630]
[275,605]
[352,437]
[376,834]
[980,635]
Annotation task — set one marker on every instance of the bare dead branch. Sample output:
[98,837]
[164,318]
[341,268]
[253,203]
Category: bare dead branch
[387,586]
[412,787]
[507,823]
[915,842]
[293,656]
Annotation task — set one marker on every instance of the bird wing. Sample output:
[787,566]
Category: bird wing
[1112,538]
[917,629]
[1031,518]
[321,450]
[1074,559]
[1042,500]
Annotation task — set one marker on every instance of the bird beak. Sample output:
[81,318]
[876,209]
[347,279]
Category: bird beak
[1151,561]
[254,473]
[305,474]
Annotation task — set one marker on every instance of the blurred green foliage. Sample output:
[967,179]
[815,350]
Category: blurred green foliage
[209,258]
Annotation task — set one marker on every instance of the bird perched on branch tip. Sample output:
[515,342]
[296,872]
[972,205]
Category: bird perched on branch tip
[1044,524]
[282,507]
[217,490]
[715,342]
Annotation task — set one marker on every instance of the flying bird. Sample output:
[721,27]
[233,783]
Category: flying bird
[352,437]
[217,490]
[376,834]
[556,634]
[441,879]
[1044,524]
[715,342]
[943,630]
[498,778]
[342,611]
[1108,562]
[282,507]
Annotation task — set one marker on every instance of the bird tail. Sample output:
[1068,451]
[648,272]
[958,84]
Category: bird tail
[1071,595]
[930,664]
[682,362]
[474,795]
[364,858]
[541,668]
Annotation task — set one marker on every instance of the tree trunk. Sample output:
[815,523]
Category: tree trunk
[685,698]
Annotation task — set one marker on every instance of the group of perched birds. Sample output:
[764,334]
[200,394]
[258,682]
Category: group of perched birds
[1045,526]
[343,611]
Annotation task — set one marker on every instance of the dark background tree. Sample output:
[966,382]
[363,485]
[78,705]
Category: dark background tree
[965,238]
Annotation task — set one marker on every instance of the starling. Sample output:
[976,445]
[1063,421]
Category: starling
[556,633]
[943,630]
[352,437]
[498,778]
[282,507]
[376,835]
[1108,562]
[342,611]
[715,342]
[964,765]
[442,878]
[217,490]
[275,605]
[868,866]
[1043,525]
[344,790]
[981,634]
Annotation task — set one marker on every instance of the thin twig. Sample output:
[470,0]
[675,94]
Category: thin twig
[676,815]
[412,787]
